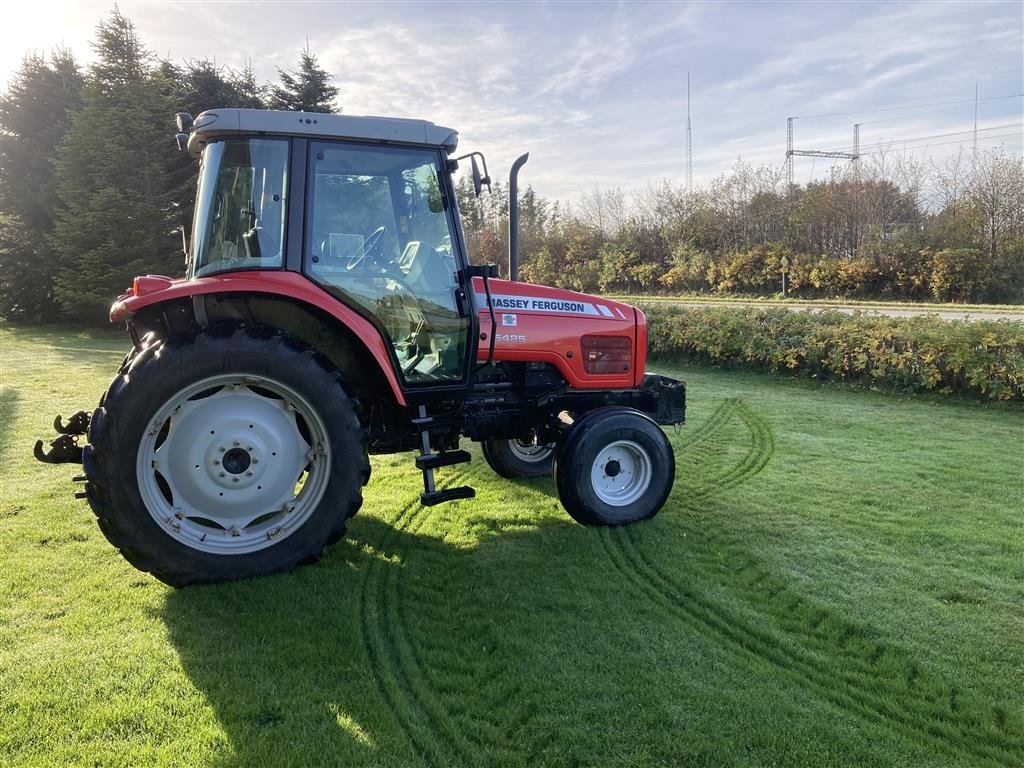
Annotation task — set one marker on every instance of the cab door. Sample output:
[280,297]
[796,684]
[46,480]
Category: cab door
[381,236]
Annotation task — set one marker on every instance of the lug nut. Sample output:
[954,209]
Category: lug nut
[234,479]
[237,443]
[216,461]
[221,475]
[248,474]
[222,449]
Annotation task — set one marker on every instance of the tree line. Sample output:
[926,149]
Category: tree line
[93,191]
[92,187]
[890,227]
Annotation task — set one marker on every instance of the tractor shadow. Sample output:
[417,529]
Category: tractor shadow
[398,648]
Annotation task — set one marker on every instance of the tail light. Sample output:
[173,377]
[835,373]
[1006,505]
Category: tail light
[150,284]
[607,354]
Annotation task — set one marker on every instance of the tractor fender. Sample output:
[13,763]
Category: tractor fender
[152,290]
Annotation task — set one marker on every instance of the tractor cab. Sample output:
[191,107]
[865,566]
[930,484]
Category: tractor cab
[373,225]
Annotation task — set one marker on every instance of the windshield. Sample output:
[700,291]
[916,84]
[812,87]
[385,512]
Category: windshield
[240,208]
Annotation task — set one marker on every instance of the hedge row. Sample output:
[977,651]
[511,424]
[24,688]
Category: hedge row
[982,358]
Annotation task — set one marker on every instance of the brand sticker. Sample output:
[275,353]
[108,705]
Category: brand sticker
[534,304]
[509,319]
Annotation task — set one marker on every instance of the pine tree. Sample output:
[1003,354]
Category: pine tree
[307,89]
[251,95]
[35,114]
[198,86]
[119,178]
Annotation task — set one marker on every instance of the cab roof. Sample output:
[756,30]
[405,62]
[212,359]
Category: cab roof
[219,123]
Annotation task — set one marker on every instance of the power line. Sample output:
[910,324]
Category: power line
[902,117]
[883,142]
[858,151]
[908,106]
[961,142]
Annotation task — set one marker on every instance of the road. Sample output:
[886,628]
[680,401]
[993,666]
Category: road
[944,313]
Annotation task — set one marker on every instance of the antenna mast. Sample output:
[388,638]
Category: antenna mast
[974,153]
[689,141]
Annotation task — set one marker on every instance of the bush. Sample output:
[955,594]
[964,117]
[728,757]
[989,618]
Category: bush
[983,359]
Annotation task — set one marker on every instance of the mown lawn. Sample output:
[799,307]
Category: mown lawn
[837,579]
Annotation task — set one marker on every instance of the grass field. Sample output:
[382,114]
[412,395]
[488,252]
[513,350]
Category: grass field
[837,579]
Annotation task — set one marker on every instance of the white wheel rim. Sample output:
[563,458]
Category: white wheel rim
[621,473]
[530,450]
[233,464]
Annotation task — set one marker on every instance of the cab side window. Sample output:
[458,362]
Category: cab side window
[379,237]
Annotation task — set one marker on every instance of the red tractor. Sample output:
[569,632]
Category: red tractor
[330,312]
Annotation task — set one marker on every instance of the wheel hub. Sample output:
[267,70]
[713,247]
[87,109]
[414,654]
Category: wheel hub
[621,473]
[530,450]
[237,460]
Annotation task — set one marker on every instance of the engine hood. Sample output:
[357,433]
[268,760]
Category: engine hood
[545,324]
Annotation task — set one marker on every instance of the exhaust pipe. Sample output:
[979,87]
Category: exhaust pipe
[513,216]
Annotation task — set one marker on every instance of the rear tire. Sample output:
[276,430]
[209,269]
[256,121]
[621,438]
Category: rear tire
[265,458]
[519,458]
[615,466]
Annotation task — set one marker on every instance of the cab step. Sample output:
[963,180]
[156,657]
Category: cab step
[429,499]
[428,461]
[445,459]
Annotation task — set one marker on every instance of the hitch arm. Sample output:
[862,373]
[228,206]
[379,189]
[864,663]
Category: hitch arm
[77,424]
[64,450]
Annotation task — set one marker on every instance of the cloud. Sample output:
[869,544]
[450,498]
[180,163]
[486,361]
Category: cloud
[597,92]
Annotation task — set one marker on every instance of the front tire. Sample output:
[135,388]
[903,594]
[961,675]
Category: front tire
[615,466]
[231,454]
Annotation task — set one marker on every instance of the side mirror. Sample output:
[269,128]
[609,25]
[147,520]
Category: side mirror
[477,181]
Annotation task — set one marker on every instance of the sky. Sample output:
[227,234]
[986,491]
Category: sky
[596,92]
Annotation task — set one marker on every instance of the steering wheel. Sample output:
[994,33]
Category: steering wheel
[371,244]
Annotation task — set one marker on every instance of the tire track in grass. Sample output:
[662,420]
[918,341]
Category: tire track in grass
[496,732]
[399,662]
[712,424]
[481,732]
[931,718]
[419,723]
[412,658]
[756,459]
